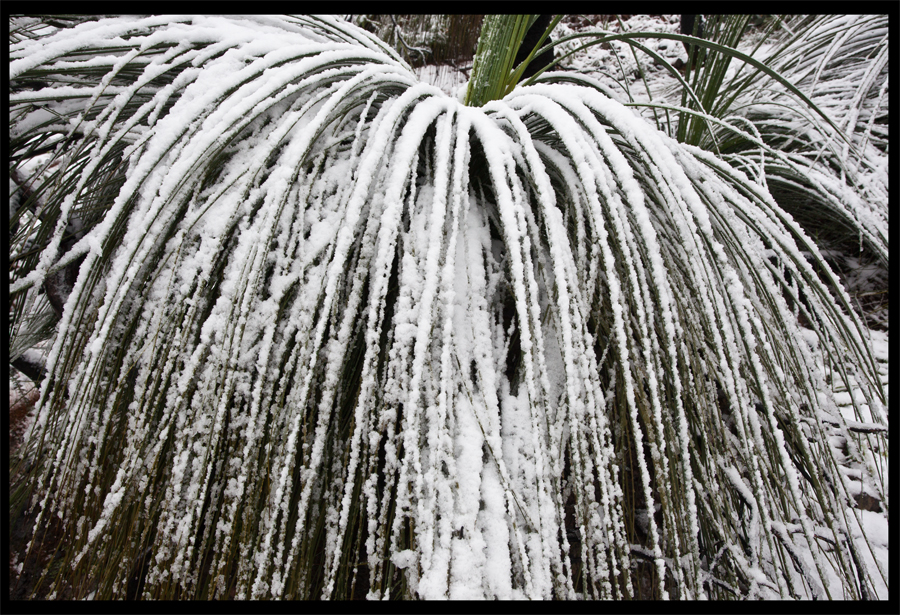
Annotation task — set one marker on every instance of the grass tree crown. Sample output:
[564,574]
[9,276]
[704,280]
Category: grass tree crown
[337,335]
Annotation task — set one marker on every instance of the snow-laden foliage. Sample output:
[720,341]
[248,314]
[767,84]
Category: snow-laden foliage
[335,334]
[832,178]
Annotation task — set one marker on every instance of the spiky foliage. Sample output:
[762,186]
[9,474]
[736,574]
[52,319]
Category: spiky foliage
[335,334]
[826,180]
[805,113]
[494,70]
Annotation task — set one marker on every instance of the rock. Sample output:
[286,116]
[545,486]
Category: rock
[864,501]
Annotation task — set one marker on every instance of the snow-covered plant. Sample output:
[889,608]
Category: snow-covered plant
[834,185]
[335,334]
[805,113]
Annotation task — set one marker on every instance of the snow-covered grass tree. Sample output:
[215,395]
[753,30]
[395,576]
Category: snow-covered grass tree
[336,334]
[832,179]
